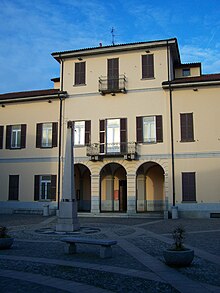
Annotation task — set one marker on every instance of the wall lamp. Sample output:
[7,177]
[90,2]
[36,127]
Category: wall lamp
[3,106]
[80,58]
[147,51]
[195,90]
[49,101]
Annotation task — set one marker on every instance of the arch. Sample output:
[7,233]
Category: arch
[113,188]
[150,195]
[83,187]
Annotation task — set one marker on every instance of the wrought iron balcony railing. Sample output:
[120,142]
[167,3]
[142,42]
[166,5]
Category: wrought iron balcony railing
[112,85]
[97,151]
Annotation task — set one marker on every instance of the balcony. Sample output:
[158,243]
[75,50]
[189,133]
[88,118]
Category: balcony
[97,151]
[112,85]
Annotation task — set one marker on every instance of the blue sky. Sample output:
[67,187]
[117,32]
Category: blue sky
[30,30]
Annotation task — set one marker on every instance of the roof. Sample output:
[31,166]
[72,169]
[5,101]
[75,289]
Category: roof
[119,47]
[55,79]
[205,78]
[186,65]
[31,95]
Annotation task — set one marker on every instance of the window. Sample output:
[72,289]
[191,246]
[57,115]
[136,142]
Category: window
[188,186]
[113,74]
[186,123]
[148,66]
[16,136]
[186,72]
[113,135]
[13,192]
[149,129]
[80,73]
[46,136]
[1,136]
[79,133]
[45,187]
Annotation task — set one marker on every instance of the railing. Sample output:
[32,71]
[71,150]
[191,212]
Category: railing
[112,85]
[97,151]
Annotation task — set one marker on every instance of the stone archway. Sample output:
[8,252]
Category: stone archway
[83,187]
[150,195]
[113,188]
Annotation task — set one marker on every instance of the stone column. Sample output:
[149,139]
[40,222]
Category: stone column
[95,194]
[131,193]
[67,219]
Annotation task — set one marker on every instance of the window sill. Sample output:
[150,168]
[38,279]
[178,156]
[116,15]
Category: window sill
[83,84]
[44,147]
[148,78]
[189,201]
[18,148]
[187,140]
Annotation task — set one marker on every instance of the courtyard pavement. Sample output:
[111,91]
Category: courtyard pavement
[36,262]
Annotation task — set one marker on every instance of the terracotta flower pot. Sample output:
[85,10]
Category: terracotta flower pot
[6,243]
[178,258]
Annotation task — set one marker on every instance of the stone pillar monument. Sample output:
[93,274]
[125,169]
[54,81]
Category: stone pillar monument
[67,218]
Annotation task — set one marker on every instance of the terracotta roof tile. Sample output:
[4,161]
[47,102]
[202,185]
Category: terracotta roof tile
[26,94]
[202,78]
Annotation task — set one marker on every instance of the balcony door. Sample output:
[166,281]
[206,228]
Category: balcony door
[113,74]
[113,136]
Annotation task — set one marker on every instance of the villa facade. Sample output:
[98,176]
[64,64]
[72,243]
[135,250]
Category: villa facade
[146,134]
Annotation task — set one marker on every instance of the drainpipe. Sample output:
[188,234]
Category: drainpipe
[60,136]
[171,126]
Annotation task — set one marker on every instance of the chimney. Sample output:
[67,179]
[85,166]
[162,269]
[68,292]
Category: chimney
[100,44]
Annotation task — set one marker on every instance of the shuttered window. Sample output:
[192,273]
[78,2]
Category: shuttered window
[16,136]
[45,187]
[186,125]
[188,186]
[80,73]
[148,66]
[123,134]
[46,135]
[149,129]
[1,136]
[102,136]
[13,192]
[113,74]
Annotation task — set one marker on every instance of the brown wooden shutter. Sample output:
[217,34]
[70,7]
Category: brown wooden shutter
[80,73]
[36,187]
[113,74]
[23,135]
[8,136]
[87,132]
[102,135]
[188,186]
[53,187]
[148,66]
[39,135]
[13,192]
[123,135]
[139,129]
[1,136]
[186,122]
[159,128]
[54,134]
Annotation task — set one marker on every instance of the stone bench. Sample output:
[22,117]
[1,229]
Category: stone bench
[105,249]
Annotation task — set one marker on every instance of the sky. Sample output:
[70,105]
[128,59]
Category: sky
[30,30]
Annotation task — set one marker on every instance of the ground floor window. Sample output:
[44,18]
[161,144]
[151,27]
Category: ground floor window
[13,191]
[45,187]
[188,186]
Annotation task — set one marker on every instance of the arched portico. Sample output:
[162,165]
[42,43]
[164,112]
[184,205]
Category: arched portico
[113,188]
[150,195]
[83,187]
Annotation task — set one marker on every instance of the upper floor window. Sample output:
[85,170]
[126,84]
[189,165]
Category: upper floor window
[46,136]
[80,73]
[16,136]
[113,135]
[186,72]
[1,136]
[45,187]
[148,66]
[82,130]
[186,124]
[188,186]
[149,129]
[113,74]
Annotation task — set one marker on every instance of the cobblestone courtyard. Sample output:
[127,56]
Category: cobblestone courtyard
[37,261]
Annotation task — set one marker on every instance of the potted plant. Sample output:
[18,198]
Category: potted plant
[178,254]
[6,240]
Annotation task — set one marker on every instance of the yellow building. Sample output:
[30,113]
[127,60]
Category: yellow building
[146,134]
